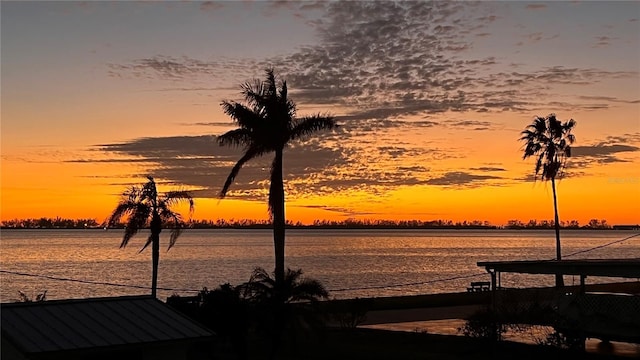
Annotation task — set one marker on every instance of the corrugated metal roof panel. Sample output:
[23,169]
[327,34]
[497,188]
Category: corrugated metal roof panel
[62,325]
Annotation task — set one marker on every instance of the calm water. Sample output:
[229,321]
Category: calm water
[351,263]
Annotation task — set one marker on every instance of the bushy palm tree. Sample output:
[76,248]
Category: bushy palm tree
[549,140]
[291,302]
[264,289]
[143,206]
[267,123]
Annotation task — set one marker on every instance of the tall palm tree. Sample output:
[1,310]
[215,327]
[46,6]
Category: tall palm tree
[549,140]
[142,206]
[267,123]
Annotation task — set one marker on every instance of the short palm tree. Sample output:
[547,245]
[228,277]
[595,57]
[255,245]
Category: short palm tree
[291,302]
[549,140]
[263,288]
[143,206]
[267,124]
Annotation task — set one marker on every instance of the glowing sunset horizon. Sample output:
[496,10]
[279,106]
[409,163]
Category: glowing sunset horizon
[430,97]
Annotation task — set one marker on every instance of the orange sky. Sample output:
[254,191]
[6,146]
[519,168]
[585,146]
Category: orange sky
[429,123]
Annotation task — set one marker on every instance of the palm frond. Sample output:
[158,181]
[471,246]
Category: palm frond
[283,92]
[172,217]
[174,197]
[123,209]
[149,191]
[254,92]
[251,153]
[309,290]
[270,84]
[261,275]
[261,287]
[137,220]
[175,234]
[308,125]
[149,241]
[235,138]
[246,118]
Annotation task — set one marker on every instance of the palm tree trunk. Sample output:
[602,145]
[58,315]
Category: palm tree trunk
[559,280]
[156,228]
[276,194]
[276,201]
[155,257]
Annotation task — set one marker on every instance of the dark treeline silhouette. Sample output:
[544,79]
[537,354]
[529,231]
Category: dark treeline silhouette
[60,223]
[347,224]
[50,223]
[550,224]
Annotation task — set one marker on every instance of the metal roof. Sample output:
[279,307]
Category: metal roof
[625,268]
[69,325]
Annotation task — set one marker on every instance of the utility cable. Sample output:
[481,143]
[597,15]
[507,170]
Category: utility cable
[92,282]
[602,246]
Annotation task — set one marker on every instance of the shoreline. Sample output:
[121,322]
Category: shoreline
[462,299]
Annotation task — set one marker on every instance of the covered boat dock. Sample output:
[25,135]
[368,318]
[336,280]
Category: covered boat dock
[621,268]
[604,315]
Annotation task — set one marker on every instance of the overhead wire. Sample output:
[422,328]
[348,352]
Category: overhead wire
[49,277]
[602,246]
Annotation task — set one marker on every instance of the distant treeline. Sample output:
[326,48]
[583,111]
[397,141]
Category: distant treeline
[50,223]
[60,223]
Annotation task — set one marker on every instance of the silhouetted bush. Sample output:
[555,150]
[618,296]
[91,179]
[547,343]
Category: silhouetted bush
[351,313]
[485,324]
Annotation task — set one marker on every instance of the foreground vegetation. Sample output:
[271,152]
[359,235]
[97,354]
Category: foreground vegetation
[243,319]
[373,344]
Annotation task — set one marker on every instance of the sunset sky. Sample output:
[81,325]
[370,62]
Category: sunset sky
[431,99]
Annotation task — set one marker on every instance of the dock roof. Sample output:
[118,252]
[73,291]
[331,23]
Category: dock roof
[624,268]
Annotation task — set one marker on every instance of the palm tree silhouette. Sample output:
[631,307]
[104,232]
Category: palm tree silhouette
[142,206]
[548,139]
[290,302]
[268,123]
[264,289]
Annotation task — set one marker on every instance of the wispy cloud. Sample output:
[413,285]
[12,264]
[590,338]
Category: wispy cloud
[614,149]
[393,60]
[603,41]
[393,66]
[601,150]
[312,168]
[197,161]
[461,179]
[488,169]
[471,124]
[599,154]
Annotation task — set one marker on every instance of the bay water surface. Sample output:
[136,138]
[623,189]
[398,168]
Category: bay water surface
[350,263]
